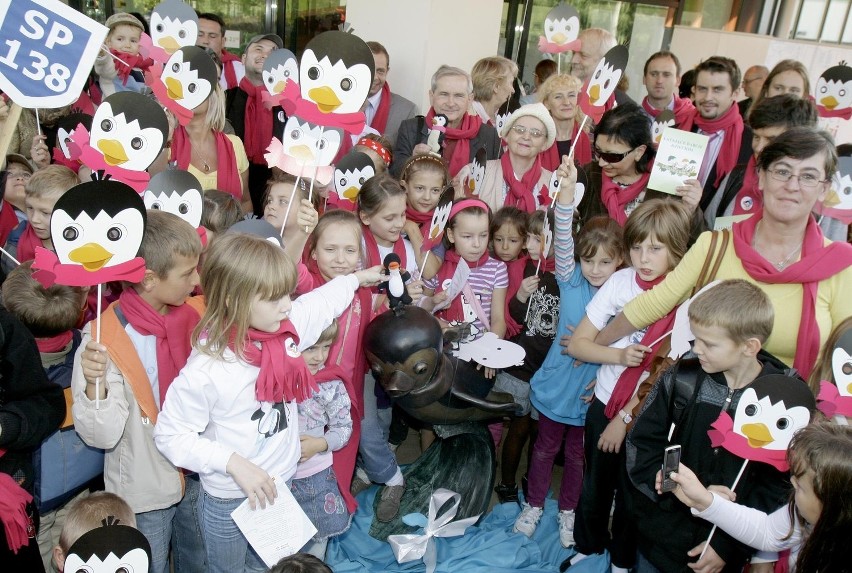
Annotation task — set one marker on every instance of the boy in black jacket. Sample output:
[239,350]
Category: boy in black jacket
[730,323]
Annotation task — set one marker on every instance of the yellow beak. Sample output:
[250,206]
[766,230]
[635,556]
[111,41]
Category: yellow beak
[831,199]
[279,87]
[594,94]
[325,98]
[91,255]
[351,193]
[301,152]
[169,44]
[559,38]
[174,88]
[113,151]
[758,435]
[829,102]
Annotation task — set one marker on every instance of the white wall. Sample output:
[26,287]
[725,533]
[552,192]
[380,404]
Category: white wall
[420,35]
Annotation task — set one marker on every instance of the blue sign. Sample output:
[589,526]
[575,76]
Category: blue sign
[47,50]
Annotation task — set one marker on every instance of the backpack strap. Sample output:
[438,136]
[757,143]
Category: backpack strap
[685,387]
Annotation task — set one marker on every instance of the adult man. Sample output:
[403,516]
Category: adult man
[752,83]
[770,117]
[384,109]
[451,94]
[596,42]
[661,78]
[251,120]
[716,87]
[211,34]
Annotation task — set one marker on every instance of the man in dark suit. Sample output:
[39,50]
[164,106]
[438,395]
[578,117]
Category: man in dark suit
[753,79]
[385,110]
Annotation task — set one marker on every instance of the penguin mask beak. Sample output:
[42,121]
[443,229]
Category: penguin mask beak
[831,199]
[278,87]
[302,153]
[559,38]
[91,255]
[169,44]
[351,193]
[174,88]
[758,435]
[849,388]
[829,102]
[325,98]
[113,151]
[594,94]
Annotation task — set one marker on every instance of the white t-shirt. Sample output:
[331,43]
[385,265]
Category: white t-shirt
[616,292]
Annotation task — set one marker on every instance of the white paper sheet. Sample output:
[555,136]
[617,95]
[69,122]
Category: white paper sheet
[456,285]
[277,531]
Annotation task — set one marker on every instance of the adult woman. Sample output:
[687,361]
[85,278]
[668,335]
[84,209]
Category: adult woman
[559,95]
[517,178]
[617,179]
[217,159]
[781,249]
[787,77]
[493,80]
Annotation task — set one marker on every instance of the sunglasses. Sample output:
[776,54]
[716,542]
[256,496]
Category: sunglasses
[608,156]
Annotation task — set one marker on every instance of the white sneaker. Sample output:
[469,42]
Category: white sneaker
[528,520]
[566,527]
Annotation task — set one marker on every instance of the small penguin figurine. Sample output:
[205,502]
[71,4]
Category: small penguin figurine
[435,140]
[835,399]
[350,173]
[833,92]
[97,229]
[185,82]
[128,133]
[598,95]
[178,192]
[561,30]
[305,149]
[336,72]
[108,549]
[394,287]
[174,25]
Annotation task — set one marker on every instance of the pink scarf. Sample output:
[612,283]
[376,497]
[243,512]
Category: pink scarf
[616,198]
[306,110]
[818,262]
[227,175]
[94,160]
[683,110]
[13,511]
[154,81]
[455,312]
[522,193]
[172,331]
[749,198]
[49,271]
[460,137]
[258,122]
[731,122]
[54,343]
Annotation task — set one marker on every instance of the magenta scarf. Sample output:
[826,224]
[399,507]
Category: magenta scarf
[731,123]
[818,262]
[522,193]
[683,110]
[454,312]
[461,135]
[258,122]
[615,197]
[227,174]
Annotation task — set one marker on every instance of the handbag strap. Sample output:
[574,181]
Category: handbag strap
[714,258]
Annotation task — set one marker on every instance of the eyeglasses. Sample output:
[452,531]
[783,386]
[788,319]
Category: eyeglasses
[749,80]
[806,180]
[22,174]
[608,156]
[534,133]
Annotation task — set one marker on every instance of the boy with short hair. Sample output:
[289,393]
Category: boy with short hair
[125,33]
[87,514]
[119,388]
[730,321]
[43,190]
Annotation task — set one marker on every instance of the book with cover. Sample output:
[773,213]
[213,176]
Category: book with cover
[679,158]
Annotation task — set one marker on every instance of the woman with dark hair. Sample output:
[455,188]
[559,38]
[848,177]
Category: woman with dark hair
[781,249]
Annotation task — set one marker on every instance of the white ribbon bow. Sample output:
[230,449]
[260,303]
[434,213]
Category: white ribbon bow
[412,546]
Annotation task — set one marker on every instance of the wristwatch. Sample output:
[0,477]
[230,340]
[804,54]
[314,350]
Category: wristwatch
[625,417]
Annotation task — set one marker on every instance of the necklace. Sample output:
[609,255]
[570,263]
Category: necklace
[196,150]
[779,265]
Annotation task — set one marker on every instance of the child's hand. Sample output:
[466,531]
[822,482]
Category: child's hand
[412,231]
[613,436]
[690,192]
[94,361]
[258,485]
[528,286]
[633,355]
[39,152]
[370,277]
[723,491]
[565,340]
[710,563]
[430,303]
[689,489]
[306,216]
[486,371]
[567,173]
[415,291]
[590,387]
[311,446]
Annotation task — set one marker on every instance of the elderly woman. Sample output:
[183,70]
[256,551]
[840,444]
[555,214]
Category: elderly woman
[517,178]
[787,77]
[781,249]
[493,80]
[559,94]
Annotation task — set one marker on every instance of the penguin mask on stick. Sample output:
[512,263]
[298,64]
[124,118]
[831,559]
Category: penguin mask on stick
[174,25]
[186,82]
[561,30]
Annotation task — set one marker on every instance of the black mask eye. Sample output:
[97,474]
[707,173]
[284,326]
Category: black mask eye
[782,423]
[106,125]
[342,181]
[314,72]
[158,206]
[182,34]
[346,84]
[270,80]
[123,570]
[295,134]
[361,180]
[183,208]
[160,27]
[191,88]
[847,368]
[321,144]
[137,143]
[114,234]
[176,67]
[751,410]
[70,233]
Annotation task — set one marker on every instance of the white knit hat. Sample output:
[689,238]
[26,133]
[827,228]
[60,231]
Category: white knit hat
[538,111]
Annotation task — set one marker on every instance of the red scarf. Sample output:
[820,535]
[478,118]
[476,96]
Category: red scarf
[749,198]
[54,343]
[60,159]
[454,312]
[731,122]
[548,265]
[683,110]
[422,219]
[830,402]
[13,511]
[50,271]
[8,220]
[283,375]
[172,331]
[616,198]
[294,104]
[228,69]
[27,244]
[94,160]
[227,174]
[460,136]
[818,262]
[845,112]
[373,256]
[380,120]
[551,160]
[522,193]
[629,379]
[155,82]
[126,63]
[515,270]
[258,122]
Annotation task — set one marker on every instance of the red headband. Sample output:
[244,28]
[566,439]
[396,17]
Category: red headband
[467,204]
[377,147]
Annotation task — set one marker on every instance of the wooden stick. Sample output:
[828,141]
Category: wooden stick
[8,130]
[13,259]
[422,267]
[579,131]
[114,57]
[98,340]
[292,195]
[38,122]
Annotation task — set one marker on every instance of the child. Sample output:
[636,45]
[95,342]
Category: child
[508,241]
[43,190]
[815,524]
[325,426]
[146,341]
[13,182]
[85,515]
[382,208]
[378,148]
[122,41]
[482,302]
[224,415]
[730,322]
[300,563]
[64,465]
[655,239]
[424,178]
[220,211]
[557,389]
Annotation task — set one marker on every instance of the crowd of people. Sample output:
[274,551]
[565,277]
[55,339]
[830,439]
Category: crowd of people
[235,367]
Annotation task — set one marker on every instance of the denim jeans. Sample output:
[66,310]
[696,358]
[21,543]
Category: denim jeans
[176,525]
[228,550]
[374,454]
